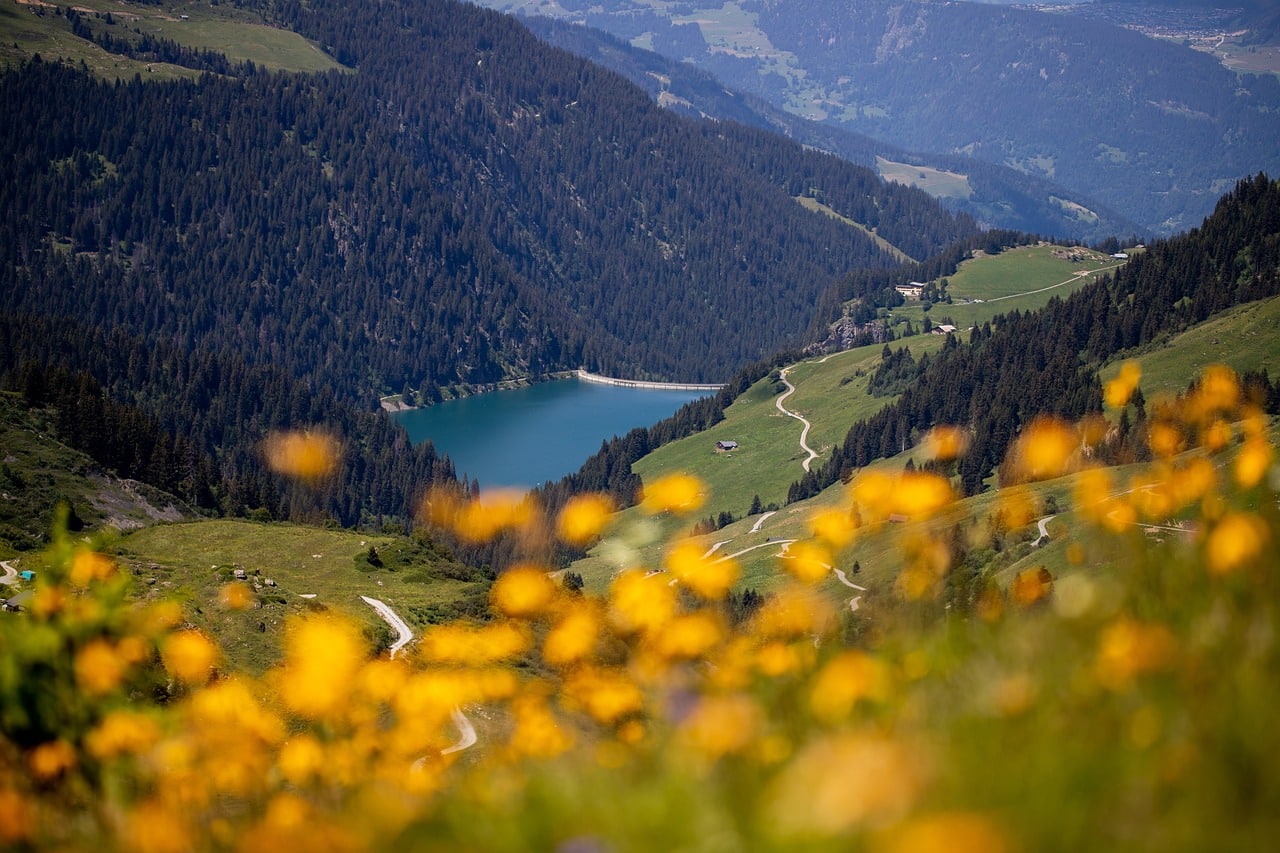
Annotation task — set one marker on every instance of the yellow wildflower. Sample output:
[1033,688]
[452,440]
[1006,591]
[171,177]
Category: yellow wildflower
[607,695]
[690,635]
[1234,541]
[1165,439]
[945,443]
[678,493]
[1129,648]
[1118,391]
[1031,586]
[708,577]
[1217,391]
[721,725]
[919,494]
[583,517]
[1216,435]
[838,783]
[460,643]
[537,732]
[322,657]
[835,527]
[523,592]
[122,732]
[497,510]
[16,819]
[152,828]
[189,656]
[1047,448]
[301,758]
[99,667]
[88,566]
[777,658]
[873,492]
[1253,461]
[807,562]
[309,456]
[640,602]
[572,638]
[845,681]
[50,760]
[948,832]
[235,596]
[792,611]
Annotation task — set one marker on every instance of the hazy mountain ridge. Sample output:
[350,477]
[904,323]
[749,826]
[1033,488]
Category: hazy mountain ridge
[1155,130]
[1000,196]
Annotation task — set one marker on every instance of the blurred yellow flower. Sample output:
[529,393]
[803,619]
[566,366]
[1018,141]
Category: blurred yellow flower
[189,656]
[1253,461]
[1165,439]
[835,527]
[846,680]
[792,611]
[88,566]
[945,443]
[1031,586]
[1129,648]
[301,758]
[607,695]
[778,658]
[1118,391]
[640,602]
[708,577]
[678,493]
[873,492]
[1216,435]
[1015,507]
[16,816]
[496,510]
[837,783]
[99,668]
[948,832]
[1217,391]
[720,725]
[52,759]
[308,456]
[807,561]
[919,494]
[1235,540]
[523,592]
[152,828]
[121,733]
[583,517]
[573,638]
[235,596]
[1047,448]
[322,657]
[462,643]
[537,732]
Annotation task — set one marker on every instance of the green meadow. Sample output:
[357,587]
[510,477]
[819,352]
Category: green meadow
[936,182]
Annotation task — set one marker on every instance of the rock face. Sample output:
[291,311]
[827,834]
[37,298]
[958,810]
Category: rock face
[845,334]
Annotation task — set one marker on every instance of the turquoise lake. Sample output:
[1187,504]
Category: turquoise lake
[528,436]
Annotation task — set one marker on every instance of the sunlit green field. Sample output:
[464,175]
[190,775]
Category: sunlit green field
[936,182]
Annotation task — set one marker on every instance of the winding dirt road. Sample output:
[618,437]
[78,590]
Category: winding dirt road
[804,433]
[10,573]
[466,732]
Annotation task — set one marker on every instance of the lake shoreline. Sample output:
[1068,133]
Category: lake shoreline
[396,403]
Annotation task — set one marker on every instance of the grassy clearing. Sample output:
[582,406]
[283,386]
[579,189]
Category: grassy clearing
[1244,338]
[813,204]
[193,561]
[1021,279]
[936,182]
[240,36]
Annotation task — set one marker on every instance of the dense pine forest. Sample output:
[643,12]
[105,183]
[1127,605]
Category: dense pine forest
[210,259]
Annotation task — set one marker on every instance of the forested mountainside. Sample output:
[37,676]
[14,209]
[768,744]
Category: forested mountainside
[193,423]
[469,204]
[1152,129]
[1028,364]
[997,196]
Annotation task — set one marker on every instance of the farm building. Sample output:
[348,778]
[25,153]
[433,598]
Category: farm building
[726,445]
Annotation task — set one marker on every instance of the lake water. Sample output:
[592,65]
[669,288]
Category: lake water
[530,435]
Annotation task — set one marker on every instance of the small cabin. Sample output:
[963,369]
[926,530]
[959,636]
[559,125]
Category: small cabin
[27,575]
[944,329]
[724,446]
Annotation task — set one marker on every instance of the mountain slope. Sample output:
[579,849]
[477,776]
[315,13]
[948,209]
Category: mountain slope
[471,204]
[1152,129]
[995,195]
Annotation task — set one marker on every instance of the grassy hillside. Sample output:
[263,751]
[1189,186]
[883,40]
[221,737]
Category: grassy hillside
[312,569]
[38,472]
[28,28]
[1021,279]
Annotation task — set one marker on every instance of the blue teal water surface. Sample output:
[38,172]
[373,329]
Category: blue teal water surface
[525,437]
